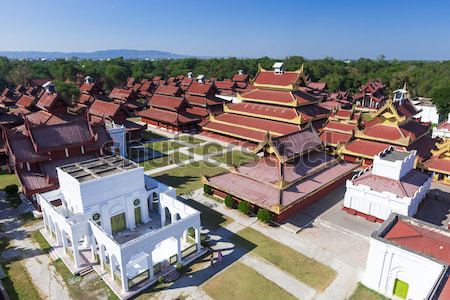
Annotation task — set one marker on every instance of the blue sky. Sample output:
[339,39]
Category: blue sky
[404,29]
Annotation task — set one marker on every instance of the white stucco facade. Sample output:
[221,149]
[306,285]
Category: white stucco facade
[388,262]
[379,203]
[130,223]
[428,111]
[118,134]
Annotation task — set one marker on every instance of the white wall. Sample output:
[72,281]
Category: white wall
[428,114]
[393,169]
[118,134]
[387,262]
[363,199]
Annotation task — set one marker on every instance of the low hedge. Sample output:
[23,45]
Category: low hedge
[264,215]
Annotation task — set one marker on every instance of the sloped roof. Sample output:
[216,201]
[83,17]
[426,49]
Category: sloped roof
[166,102]
[271,78]
[104,109]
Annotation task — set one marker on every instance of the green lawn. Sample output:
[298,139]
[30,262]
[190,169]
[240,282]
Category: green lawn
[244,283]
[7,179]
[163,146]
[363,293]
[235,157]
[18,283]
[83,290]
[187,178]
[37,237]
[305,269]
[173,158]
[190,139]
[207,149]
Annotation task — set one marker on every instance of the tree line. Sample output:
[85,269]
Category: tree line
[424,78]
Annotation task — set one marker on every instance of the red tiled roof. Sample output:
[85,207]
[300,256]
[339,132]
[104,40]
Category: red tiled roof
[313,111]
[282,97]
[167,102]
[186,81]
[240,77]
[271,78]
[85,99]
[198,111]
[368,148]
[405,187]
[47,100]
[168,90]
[340,126]
[166,116]
[225,84]
[227,129]
[201,100]
[104,109]
[257,123]
[86,87]
[120,94]
[317,85]
[264,109]
[438,164]
[299,142]
[444,125]
[406,108]
[25,101]
[421,239]
[197,88]
[334,138]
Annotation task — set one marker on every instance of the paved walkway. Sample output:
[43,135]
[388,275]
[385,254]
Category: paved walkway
[45,278]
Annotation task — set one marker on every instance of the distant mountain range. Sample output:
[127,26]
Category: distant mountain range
[102,54]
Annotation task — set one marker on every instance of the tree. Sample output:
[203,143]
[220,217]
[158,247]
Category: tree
[244,207]
[441,97]
[229,201]
[19,74]
[264,215]
[68,91]
[115,75]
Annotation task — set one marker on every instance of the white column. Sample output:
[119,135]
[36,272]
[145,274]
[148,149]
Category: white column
[123,275]
[179,249]
[150,265]
[76,255]
[93,248]
[64,241]
[111,266]
[163,215]
[102,257]
[198,239]
[58,236]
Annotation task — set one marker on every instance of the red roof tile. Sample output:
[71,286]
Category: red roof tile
[104,109]
[271,78]
[168,90]
[167,116]
[25,101]
[421,239]
[334,138]
[368,148]
[167,102]
[197,88]
[264,109]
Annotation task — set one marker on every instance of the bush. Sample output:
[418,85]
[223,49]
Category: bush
[11,189]
[229,201]
[161,279]
[264,215]
[13,200]
[244,207]
[207,189]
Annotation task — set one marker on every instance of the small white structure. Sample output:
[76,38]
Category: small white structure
[409,259]
[400,94]
[442,130]
[115,218]
[428,111]
[118,134]
[278,68]
[390,185]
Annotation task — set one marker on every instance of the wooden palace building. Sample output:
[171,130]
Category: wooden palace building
[392,125]
[274,105]
[293,172]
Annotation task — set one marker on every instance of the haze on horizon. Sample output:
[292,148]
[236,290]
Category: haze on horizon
[399,29]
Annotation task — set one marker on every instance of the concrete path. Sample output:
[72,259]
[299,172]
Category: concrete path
[45,278]
[279,277]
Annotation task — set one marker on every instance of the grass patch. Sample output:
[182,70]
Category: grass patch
[165,160]
[163,146]
[235,157]
[41,241]
[8,179]
[364,293]
[190,139]
[77,290]
[367,117]
[207,149]
[307,270]
[28,219]
[242,282]
[209,217]
[187,178]
[18,283]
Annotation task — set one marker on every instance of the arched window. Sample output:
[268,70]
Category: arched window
[97,218]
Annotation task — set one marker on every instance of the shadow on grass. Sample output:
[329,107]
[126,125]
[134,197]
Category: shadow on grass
[210,218]
[175,181]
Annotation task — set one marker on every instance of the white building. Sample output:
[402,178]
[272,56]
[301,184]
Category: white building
[428,111]
[118,134]
[116,219]
[409,259]
[442,130]
[390,185]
